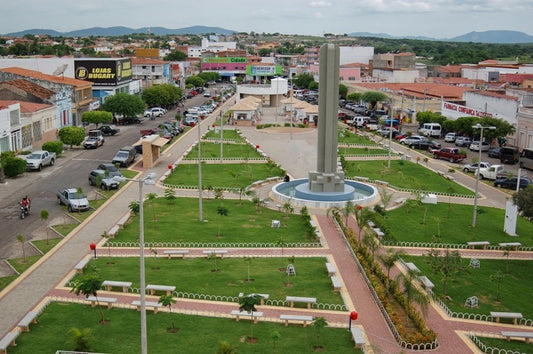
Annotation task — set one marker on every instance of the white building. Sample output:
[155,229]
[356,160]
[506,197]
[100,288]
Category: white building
[350,55]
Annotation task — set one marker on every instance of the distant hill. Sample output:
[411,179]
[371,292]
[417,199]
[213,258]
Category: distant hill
[479,37]
[121,31]
[495,37]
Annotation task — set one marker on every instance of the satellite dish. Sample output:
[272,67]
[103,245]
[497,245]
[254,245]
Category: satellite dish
[60,70]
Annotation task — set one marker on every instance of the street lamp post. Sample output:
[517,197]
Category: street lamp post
[481,127]
[149,179]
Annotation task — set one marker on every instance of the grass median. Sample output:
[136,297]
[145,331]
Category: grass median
[196,334]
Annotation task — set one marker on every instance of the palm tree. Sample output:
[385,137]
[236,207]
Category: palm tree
[89,286]
[44,216]
[168,300]
[288,209]
[222,211]
[22,241]
[388,260]
[81,339]
[319,323]
[412,293]
[247,303]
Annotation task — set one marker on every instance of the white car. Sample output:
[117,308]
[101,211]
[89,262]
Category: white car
[475,146]
[472,167]
[450,137]
[413,139]
[154,112]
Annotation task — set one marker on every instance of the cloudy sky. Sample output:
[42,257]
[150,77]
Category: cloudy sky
[433,18]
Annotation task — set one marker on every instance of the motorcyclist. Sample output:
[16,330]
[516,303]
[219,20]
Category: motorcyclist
[26,202]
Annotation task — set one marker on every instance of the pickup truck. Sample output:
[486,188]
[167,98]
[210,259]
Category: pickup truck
[72,199]
[493,172]
[450,154]
[37,159]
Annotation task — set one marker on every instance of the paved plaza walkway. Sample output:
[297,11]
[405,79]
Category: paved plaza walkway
[296,153]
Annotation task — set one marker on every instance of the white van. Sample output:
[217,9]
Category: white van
[431,129]
[359,121]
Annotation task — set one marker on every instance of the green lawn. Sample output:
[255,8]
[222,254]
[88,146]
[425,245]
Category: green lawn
[46,245]
[230,150]
[514,295]
[453,223]
[227,175]
[178,221]
[196,334]
[347,137]
[197,275]
[362,151]
[230,134]
[515,345]
[404,174]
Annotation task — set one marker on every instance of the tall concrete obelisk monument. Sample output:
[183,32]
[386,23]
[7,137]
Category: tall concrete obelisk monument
[327,178]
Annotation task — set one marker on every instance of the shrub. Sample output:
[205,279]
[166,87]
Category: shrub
[53,146]
[13,166]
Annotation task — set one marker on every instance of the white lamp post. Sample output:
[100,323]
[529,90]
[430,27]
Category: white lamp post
[481,127]
[149,179]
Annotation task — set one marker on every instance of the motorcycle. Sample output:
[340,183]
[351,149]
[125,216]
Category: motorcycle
[24,211]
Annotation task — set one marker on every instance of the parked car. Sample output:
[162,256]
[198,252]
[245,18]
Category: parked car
[475,146]
[511,183]
[73,199]
[106,182]
[109,130]
[125,156]
[94,140]
[495,152]
[472,167]
[385,131]
[207,94]
[425,145]
[37,159]
[154,112]
[413,139]
[191,119]
[450,137]
[463,141]
[450,154]
[113,170]
[130,120]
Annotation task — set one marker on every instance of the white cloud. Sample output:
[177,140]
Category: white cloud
[319,4]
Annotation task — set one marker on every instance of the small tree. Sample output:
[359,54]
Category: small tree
[497,278]
[44,217]
[389,259]
[71,135]
[248,303]
[168,301]
[506,253]
[275,337]
[225,347]
[281,243]
[319,323]
[248,261]
[134,206]
[81,339]
[152,197]
[22,241]
[214,257]
[107,236]
[89,285]
[222,211]
[79,194]
[448,265]
[169,195]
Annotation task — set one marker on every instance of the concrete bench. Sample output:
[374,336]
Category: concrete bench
[313,223]
[113,231]
[248,315]
[153,288]
[31,317]
[296,318]
[448,177]
[109,284]
[412,267]
[428,285]
[441,173]
[81,265]
[331,269]
[371,224]
[357,336]
[515,316]
[262,297]
[526,335]
[473,244]
[108,301]
[306,300]
[123,220]
[400,201]
[8,340]
[178,253]
[148,304]
[513,245]
[217,253]
[378,232]
[336,282]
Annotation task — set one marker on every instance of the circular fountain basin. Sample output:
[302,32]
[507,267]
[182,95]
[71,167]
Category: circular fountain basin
[297,192]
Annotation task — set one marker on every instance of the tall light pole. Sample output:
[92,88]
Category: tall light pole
[200,208]
[481,127]
[149,179]
[221,134]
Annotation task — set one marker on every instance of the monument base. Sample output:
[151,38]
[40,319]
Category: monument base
[321,182]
